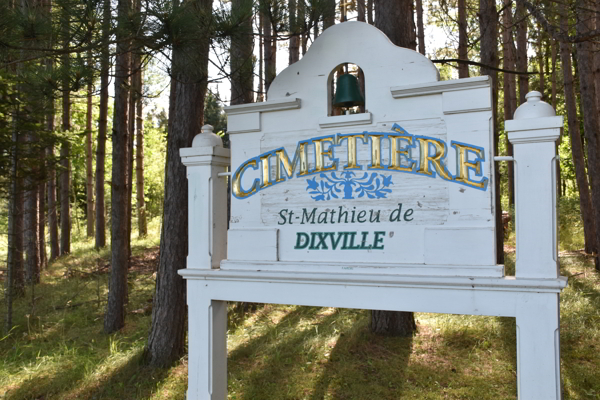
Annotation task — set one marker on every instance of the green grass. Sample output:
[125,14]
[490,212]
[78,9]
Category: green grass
[59,351]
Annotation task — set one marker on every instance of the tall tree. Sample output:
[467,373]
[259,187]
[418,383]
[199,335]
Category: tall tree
[114,318]
[463,49]
[395,19]
[294,48]
[102,126]
[139,147]
[585,202]
[521,15]
[241,55]
[420,28]
[89,172]
[488,25]
[510,91]
[587,85]
[65,163]
[270,46]
[190,75]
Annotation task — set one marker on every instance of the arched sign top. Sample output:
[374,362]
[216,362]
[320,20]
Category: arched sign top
[357,43]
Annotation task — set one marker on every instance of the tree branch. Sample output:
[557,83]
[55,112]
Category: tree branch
[478,64]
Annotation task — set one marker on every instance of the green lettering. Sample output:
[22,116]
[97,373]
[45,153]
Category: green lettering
[310,218]
[378,239]
[302,240]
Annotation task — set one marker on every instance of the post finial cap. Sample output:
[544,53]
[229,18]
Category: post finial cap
[207,138]
[534,107]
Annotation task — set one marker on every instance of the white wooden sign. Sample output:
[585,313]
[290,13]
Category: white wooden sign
[388,209]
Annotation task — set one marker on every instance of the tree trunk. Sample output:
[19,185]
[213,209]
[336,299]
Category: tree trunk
[89,173]
[139,156]
[52,213]
[11,259]
[102,125]
[130,135]
[19,264]
[242,68]
[463,49]
[585,64]
[395,19]
[42,221]
[361,12]
[585,202]
[166,342]
[488,25]
[420,28]
[65,184]
[370,12]
[328,14]
[553,44]
[114,318]
[65,181]
[540,54]
[261,59]
[393,323]
[269,52]
[295,36]
[510,101]
[31,224]
[522,16]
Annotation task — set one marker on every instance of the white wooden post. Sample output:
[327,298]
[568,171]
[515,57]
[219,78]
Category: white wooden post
[207,221]
[533,133]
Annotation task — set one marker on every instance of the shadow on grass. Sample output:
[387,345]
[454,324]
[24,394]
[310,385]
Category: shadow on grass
[129,380]
[580,331]
[363,362]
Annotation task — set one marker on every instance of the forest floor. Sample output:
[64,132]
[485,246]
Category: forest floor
[57,349]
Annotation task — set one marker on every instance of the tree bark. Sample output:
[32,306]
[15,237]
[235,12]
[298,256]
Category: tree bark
[65,184]
[89,173]
[261,58]
[139,156]
[11,260]
[328,14]
[370,12]
[463,49]
[585,64]
[420,28]
[52,213]
[114,318]
[42,222]
[395,19]
[65,179]
[522,51]
[361,12]
[270,50]
[102,125]
[540,54]
[488,25]
[294,34]
[166,342]
[510,101]
[242,68]
[585,202]
[31,224]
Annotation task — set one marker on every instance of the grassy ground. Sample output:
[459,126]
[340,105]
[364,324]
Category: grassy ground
[58,349]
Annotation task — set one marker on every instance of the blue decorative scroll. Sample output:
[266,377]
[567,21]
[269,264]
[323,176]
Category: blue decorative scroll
[347,186]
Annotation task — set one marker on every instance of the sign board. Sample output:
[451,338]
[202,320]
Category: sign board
[395,186]
[387,209]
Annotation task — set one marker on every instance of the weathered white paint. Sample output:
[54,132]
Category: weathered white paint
[440,258]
